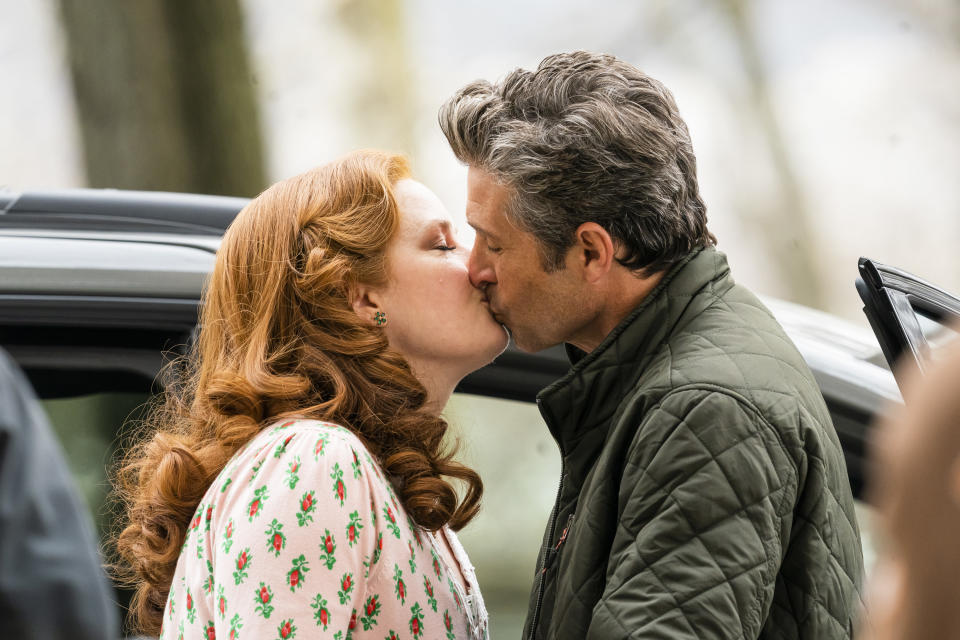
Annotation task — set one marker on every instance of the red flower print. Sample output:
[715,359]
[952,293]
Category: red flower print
[338,487]
[210,632]
[259,497]
[244,560]
[306,502]
[391,522]
[346,586]
[416,620]
[353,621]
[295,576]
[353,528]
[262,597]
[322,614]
[286,629]
[328,546]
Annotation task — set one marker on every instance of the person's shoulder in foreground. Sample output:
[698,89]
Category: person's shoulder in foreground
[703,490]
[302,532]
[51,582]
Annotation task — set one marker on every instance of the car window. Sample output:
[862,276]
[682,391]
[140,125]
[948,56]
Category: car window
[87,427]
[936,333]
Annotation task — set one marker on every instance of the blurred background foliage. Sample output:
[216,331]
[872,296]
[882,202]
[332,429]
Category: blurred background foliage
[824,131]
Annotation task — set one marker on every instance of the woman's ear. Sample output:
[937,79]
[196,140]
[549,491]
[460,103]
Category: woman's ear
[366,303]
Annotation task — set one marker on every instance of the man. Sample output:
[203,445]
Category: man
[703,492]
[51,584]
[916,486]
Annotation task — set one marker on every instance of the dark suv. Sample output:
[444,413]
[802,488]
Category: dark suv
[97,286]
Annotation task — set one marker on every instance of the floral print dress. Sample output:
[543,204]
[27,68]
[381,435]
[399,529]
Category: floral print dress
[301,535]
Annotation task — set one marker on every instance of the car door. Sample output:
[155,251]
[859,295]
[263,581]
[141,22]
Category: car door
[911,318]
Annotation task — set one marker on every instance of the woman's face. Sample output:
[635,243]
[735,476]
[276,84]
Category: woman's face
[435,317]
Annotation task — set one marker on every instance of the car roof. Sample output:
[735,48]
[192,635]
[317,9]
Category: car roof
[103,242]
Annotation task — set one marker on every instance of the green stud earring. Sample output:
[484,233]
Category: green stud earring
[380,318]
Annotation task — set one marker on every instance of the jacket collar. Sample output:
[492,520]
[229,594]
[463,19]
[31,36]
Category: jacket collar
[585,398]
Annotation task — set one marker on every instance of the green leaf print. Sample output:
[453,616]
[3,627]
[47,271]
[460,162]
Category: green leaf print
[191,610]
[295,576]
[428,589]
[276,540]
[221,603]
[391,521]
[293,473]
[339,489]
[322,614]
[399,587]
[287,630]
[228,536]
[282,447]
[244,560]
[328,545]
[353,529]
[448,625]
[416,620]
[346,587]
[308,504]
[263,596]
[260,496]
[356,465]
[236,623]
[371,609]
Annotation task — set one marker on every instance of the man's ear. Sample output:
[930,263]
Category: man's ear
[595,250]
[365,302]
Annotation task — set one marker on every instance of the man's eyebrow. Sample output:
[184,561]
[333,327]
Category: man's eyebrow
[481,231]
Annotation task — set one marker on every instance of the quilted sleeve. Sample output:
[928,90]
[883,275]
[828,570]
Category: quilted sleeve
[704,511]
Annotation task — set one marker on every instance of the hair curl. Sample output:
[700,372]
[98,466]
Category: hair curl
[280,338]
[585,137]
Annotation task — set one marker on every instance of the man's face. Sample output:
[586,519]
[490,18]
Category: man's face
[540,308]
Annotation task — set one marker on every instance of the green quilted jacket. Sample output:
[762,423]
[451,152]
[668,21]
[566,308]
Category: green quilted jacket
[703,491]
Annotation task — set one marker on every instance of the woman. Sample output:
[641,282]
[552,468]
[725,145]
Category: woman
[297,482]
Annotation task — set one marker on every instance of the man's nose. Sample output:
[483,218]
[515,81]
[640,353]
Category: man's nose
[479,267]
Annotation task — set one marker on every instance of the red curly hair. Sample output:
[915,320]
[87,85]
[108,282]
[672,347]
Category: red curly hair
[279,338]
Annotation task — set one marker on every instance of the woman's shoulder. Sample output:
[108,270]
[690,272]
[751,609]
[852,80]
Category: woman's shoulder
[321,439]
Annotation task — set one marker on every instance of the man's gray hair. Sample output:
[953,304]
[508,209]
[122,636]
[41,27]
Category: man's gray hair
[586,137]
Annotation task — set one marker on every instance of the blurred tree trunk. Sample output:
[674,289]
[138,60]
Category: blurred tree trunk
[381,105]
[788,231]
[164,95]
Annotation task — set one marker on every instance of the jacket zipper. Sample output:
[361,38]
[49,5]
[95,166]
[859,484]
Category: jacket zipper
[542,569]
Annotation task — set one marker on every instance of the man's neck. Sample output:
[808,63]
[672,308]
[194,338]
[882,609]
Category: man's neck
[624,293]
